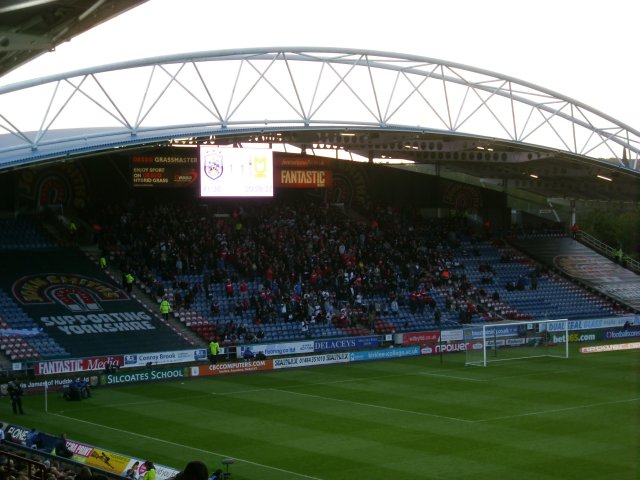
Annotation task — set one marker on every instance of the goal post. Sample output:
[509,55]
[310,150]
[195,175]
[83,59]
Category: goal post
[499,342]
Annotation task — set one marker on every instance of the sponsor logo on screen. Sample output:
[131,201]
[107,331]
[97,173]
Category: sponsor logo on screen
[213,164]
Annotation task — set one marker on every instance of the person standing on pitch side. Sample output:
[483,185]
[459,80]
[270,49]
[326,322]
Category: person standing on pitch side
[15,393]
[214,350]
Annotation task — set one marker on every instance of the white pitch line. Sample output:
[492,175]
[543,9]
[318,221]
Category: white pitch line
[533,374]
[466,379]
[240,392]
[370,405]
[557,410]
[195,449]
[148,402]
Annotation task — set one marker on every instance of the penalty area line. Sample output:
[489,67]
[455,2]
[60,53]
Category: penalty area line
[453,377]
[195,449]
[558,410]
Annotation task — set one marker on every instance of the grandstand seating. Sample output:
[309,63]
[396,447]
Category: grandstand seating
[20,339]
[23,338]
[555,297]
[22,234]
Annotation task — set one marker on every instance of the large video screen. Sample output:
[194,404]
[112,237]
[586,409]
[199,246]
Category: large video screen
[236,172]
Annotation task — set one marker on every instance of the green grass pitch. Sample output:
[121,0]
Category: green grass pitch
[416,418]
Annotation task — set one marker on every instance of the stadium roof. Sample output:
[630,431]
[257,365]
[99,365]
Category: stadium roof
[29,28]
[32,27]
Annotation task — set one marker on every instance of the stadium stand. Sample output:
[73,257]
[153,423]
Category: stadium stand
[295,270]
[41,284]
[22,234]
[273,271]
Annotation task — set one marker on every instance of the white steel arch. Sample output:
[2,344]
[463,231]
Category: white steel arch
[226,91]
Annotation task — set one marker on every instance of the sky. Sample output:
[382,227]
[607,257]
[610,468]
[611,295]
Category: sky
[583,49]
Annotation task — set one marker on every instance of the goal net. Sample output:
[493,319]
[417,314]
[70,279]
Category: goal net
[498,342]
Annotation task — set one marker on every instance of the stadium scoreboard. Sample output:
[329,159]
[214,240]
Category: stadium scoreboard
[236,172]
[221,171]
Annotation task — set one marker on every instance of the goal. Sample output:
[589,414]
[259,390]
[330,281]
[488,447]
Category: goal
[498,342]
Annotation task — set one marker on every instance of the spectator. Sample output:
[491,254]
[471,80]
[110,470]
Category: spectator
[110,367]
[73,391]
[84,474]
[15,393]
[575,229]
[248,354]
[85,388]
[194,470]
[61,448]
[33,439]
[150,471]
[217,475]
[228,288]
[394,307]
[304,328]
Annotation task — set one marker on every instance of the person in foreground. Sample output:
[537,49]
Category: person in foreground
[150,473]
[194,470]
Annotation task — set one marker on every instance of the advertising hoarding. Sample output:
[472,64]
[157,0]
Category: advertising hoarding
[163,171]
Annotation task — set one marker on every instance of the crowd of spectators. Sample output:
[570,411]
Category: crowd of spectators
[314,263]
[18,465]
[306,262]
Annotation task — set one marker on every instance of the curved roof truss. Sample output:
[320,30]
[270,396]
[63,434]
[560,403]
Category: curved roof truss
[292,88]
